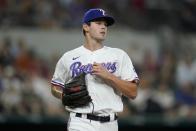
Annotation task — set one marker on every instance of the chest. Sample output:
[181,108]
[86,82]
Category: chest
[84,62]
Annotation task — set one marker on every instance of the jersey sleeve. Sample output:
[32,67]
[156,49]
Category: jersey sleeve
[127,69]
[59,75]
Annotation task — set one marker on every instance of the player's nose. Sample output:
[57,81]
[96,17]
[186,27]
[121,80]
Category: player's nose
[103,26]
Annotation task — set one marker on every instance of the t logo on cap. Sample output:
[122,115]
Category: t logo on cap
[103,11]
[97,13]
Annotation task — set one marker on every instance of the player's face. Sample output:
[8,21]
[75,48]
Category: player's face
[98,30]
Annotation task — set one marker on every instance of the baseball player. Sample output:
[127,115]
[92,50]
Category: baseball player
[109,75]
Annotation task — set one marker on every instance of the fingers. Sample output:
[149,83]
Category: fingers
[96,64]
[96,67]
[99,70]
[95,70]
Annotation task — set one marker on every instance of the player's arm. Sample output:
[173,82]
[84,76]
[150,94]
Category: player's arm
[128,88]
[56,91]
[58,79]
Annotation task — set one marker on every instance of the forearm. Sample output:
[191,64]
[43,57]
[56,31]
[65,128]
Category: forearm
[127,88]
[56,91]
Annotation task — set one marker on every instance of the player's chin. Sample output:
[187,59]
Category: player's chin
[101,38]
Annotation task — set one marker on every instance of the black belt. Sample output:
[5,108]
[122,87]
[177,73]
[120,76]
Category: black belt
[97,118]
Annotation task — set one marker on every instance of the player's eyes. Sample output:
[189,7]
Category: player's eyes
[101,22]
[98,22]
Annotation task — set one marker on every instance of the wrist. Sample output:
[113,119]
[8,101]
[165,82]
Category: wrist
[110,78]
[61,96]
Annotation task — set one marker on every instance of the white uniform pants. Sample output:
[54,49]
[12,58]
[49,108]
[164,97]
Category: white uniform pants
[83,124]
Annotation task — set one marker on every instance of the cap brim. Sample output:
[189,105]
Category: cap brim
[109,20]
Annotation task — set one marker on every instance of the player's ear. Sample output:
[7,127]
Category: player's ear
[85,27]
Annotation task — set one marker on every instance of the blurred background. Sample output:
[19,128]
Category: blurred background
[158,35]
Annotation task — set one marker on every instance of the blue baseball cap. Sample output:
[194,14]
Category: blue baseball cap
[97,13]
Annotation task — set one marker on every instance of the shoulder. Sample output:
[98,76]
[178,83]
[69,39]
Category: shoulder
[120,53]
[71,53]
[116,50]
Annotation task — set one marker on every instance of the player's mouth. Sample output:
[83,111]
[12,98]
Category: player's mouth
[103,33]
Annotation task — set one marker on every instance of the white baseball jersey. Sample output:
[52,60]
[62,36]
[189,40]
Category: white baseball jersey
[105,99]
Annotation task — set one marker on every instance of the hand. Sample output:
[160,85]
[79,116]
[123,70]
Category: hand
[100,71]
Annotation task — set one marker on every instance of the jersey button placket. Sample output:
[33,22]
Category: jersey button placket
[92,58]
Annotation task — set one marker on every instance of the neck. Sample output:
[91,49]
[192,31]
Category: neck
[93,45]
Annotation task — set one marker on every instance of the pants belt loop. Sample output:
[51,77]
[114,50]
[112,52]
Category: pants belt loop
[78,115]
